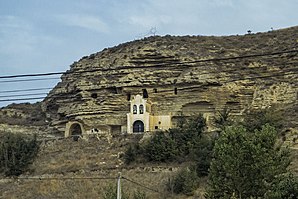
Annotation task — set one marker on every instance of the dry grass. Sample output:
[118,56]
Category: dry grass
[62,159]
[86,158]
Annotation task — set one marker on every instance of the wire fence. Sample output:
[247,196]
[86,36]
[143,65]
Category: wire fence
[116,181]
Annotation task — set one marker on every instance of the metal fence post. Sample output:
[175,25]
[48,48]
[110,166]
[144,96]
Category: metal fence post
[119,186]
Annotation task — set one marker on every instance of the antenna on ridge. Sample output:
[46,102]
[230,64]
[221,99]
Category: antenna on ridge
[153,31]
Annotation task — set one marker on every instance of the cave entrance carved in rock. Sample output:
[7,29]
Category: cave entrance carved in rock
[138,127]
[75,131]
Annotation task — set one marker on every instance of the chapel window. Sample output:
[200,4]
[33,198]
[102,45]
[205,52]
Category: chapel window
[141,109]
[134,109]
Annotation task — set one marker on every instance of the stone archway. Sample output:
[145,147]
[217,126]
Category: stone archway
[75,131]
[138,126]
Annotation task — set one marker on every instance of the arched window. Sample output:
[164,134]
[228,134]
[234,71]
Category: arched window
[141,109]
[135,109]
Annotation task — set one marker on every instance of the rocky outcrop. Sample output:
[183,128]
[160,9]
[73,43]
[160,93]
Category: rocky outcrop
[181,75]
[24,118]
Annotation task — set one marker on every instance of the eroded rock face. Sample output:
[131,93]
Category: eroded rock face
[181,75]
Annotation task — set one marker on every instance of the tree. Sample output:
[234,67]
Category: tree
[17,152]
[255,119]
[245,164]
[222,119]
[284,187]
[203,155]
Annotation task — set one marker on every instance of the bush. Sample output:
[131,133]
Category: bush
[222,119]
[17,152]
[184,143]
[188,136]
[255,119]
[185,182]
[284,187]
[203,155]
[161,148]
[132,153]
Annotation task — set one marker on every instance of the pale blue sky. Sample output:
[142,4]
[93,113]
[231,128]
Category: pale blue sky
[39,36]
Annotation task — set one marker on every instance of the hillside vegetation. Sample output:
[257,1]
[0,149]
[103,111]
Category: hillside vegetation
[89,168]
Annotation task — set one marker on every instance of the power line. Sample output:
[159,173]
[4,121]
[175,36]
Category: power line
[28,80]
[22,99]
[155,65]
[235,80]
[291,70]
[24,90]
[31,75]
[188,62]
[30,94]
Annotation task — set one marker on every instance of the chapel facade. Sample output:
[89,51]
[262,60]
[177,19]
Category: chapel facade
[140,119]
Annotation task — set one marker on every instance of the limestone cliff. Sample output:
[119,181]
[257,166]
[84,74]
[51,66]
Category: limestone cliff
[181,75]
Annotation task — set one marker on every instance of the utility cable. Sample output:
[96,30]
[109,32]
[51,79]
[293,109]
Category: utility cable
[19,95]
[224,82]
[31,75]
[22,99]
[28,80]
[25,90]
[155,65]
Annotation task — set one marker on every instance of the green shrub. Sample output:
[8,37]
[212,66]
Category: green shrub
[188,136]
[183,143]
[185,181]
[222,119]
[161,148]
[17,152]
[132,153]
[255,119]
[285,187]
[203,155]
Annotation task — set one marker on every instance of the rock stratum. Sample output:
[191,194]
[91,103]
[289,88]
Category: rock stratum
[179,75]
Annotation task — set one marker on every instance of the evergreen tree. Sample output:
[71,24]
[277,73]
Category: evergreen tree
[245,164]
[16,153]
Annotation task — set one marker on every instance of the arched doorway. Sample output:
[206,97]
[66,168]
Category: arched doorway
[138,127]
[75,131]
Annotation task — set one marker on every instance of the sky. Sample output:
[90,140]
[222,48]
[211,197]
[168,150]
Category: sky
[40,36]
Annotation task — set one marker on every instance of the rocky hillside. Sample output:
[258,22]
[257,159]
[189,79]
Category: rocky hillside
[85,169]
[24,118]
[180,75]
